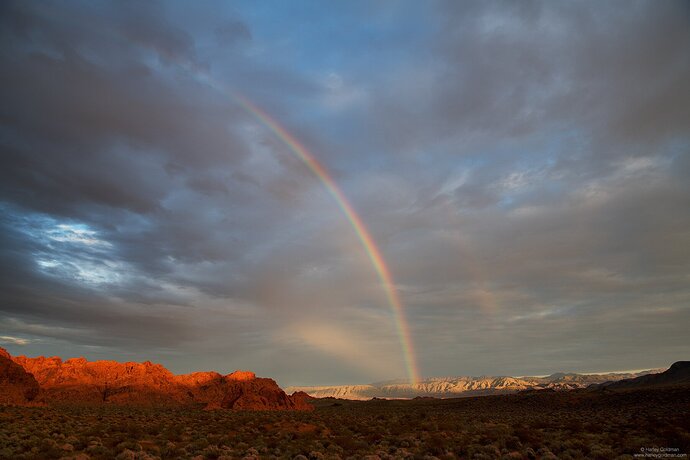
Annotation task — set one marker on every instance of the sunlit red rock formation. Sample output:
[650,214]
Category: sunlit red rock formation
[197,378]
[258,393]
[242,391]
[96,382]
[241,376]
[4,353]
[302,397]
[16,385]
[78,381]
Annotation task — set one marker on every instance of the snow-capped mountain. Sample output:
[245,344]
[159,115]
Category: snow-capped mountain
[449,387]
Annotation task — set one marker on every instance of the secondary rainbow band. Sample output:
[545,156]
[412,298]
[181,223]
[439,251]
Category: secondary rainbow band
[364,236]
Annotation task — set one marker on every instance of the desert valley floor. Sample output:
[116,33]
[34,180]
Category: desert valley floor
[603,424]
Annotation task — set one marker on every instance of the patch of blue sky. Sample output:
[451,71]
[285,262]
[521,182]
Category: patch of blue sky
[66,249]
[303,35]
[51,231]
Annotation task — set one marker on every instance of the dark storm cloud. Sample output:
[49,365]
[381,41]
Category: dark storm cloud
[81,97]
[98,130]
[30,295]
[522,166]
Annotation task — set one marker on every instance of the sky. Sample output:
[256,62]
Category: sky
[522,167]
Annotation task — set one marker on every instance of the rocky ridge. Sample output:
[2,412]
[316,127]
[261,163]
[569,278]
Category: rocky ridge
[79,381]
[453,387]
[677,374]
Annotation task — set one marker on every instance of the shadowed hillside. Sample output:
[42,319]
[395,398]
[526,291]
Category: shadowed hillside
[677,374]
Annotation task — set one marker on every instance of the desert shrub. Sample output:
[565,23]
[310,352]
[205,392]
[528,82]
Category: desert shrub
[129,445]
[512,443]
[212,452]
[126,455]
[172,432]
[467,428]
[436,444]
[599,452]
[526,435]
[98,451]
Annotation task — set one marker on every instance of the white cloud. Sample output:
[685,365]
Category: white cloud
[14,340]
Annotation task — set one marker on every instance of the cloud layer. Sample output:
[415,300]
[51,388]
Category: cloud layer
[522,166]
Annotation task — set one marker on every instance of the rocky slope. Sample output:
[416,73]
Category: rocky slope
[450,387]
[78,381]
[16,385]
[677,374]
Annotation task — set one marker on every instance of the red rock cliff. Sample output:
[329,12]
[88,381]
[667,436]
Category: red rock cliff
[16,385]
[78,381]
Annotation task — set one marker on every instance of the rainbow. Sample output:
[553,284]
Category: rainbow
[363,234]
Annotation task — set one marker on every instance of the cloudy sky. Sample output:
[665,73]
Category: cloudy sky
[522,166]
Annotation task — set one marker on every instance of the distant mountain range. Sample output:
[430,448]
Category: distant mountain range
[453,387]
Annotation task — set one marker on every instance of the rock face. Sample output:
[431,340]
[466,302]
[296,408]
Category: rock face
[257,393]
[16,385]
[245,393]
[78,381]
[241,376]
[301,396]
[102,381]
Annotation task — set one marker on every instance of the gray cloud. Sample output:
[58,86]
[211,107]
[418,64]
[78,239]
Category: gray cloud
[523,168]
[606,71]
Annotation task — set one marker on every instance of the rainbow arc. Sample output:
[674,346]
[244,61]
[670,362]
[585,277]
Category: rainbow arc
[355,220]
